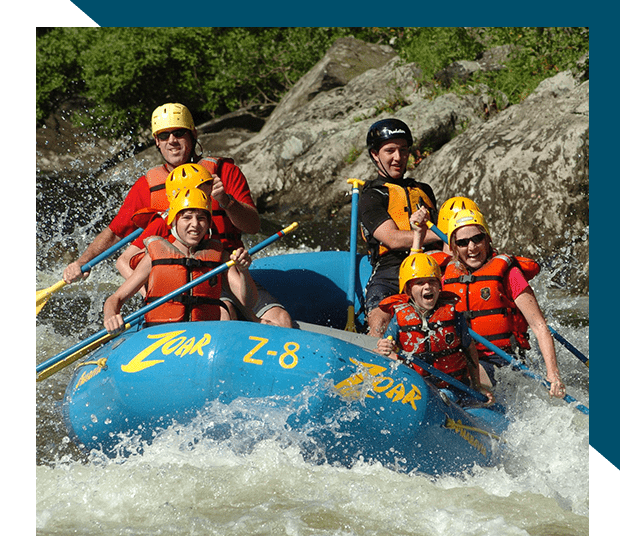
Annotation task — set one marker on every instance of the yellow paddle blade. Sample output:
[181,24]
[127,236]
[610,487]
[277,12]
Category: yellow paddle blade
[76,355]
[350,320]
[44,295]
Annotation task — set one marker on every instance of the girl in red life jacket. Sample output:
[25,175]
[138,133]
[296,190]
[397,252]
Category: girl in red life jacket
[426,324]
[496,296]
[167,266]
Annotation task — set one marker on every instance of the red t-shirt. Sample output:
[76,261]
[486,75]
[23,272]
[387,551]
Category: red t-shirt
[139,197]
[157,227]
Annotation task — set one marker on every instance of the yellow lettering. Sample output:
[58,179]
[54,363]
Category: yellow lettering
[248,357]
[412,396]
[291,348]
[172,345]
[396,393]
[199,345]
[186,347]
[380,388]
[137,363]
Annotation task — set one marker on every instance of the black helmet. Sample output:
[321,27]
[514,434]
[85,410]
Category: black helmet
[387,129]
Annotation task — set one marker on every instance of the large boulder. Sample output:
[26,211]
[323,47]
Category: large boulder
[527,169]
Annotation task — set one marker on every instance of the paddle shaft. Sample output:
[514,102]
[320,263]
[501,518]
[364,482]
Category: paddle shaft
[44,295]
[133,235]
[514,362]
[353,253]
[570,347]
[410,358]
[511,359]
[132,319]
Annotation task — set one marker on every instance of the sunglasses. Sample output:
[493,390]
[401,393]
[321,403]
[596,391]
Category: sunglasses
[475,240]
[179,133]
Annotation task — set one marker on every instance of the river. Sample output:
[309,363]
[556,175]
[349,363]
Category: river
[210,488]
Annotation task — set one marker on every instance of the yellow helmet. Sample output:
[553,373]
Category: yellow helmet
[171,115]
[188,198]
[467,218]
[418,265]
[451,207]
[187,175]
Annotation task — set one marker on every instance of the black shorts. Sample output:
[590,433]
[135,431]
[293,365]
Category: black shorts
[264,302]
[383,282]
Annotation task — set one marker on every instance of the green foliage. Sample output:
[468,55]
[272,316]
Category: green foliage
[117,76]
[538,53]
[541,53]
[434,48]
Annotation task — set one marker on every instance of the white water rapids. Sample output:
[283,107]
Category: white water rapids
[188,484]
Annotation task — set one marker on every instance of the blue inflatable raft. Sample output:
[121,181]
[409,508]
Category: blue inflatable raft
[356,403]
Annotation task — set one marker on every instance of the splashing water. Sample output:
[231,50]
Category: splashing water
[238,468]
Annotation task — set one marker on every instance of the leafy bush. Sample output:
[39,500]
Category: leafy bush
[121,74]
[117,76]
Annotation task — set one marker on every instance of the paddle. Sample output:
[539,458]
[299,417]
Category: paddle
[570,347]
[514,362]
[511,359]
[44,295]
[60,361]
[410,358]
[353,254]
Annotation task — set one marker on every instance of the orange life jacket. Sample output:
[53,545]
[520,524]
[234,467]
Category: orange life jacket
[437,342]
[485,303]
[171,269]
[226,230]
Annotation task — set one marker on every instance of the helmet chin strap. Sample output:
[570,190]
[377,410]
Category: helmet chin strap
[381,168]
[173,230]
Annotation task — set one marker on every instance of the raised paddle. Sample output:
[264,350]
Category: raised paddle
[60,361]
[353,254]
[44,295]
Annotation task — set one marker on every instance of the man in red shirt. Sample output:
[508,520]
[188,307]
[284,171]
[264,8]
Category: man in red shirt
[234,211]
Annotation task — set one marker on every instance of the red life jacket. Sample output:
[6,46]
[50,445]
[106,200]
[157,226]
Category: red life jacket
[171,269]
[437,342]
[442,258]
[227,232]
[484,301]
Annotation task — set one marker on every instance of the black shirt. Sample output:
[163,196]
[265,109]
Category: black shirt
[373,211]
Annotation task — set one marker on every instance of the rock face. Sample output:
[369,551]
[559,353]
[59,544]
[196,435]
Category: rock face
[525,166]
[527,169]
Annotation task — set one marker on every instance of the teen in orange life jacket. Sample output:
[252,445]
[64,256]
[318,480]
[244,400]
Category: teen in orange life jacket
[426,324]
[496,296]
[190,218]
[153,221]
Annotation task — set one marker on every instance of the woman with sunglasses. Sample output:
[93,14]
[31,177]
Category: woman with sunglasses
[496,297]
[234,211]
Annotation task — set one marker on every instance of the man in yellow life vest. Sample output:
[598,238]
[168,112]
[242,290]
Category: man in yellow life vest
[385,206]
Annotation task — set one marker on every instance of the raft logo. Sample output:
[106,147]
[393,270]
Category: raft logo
[166,344]
[356,386]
